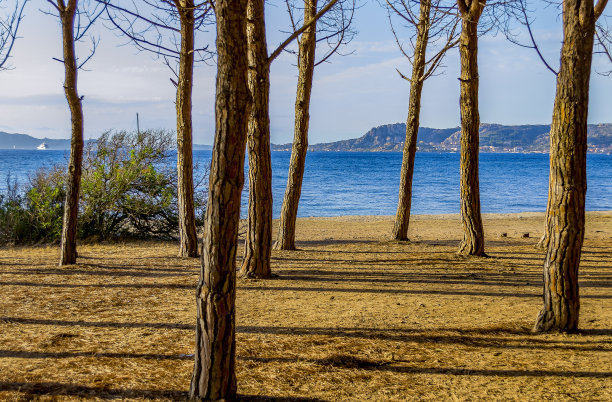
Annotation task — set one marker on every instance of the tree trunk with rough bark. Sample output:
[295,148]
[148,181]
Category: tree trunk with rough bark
[473,233]
[188,240]
[258,244]
[402,217]
[568,138]
[68,253]
[213,376]
[286,232]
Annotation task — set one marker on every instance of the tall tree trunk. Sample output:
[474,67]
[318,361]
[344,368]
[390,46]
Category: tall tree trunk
[187,227]
[568,185]
[306,56]
[213,375]
[68,252]
[258,244]
[402,217]
[473,233]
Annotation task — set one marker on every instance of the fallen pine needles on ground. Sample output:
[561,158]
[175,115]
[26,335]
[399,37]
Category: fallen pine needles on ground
[351,316]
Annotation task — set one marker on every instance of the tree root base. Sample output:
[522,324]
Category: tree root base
[545,322]
[280,246]
[251,276]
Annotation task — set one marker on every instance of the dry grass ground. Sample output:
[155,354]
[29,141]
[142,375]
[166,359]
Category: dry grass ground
[352,316]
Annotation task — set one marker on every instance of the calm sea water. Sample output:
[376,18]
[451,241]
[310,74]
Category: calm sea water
[349,183]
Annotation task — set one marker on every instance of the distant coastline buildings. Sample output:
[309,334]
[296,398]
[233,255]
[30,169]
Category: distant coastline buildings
[494,138]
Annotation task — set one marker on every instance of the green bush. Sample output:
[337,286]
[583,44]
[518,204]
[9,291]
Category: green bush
[128,189]
[45,204]
[14,220]
[127,186]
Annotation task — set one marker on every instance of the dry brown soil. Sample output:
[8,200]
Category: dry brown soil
[351,316]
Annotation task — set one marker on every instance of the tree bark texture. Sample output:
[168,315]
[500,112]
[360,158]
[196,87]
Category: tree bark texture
[568,184]
[213,376]
[258,244]
[188,240]
[543,242]
[473,233]
[402,217]
[306,58]
[68,253]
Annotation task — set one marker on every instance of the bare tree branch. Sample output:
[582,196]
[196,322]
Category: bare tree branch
[297,33]
[86,15]
[397,40]
[136,15]
[94,46]
[155,27]
[523,19]
[463,7]
[599,8]
[9,26]
[336,29]
[436,61]
[441,26]
[54,6]
[402,75]
[91,16]
[604,45]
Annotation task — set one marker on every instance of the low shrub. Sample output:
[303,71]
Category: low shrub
[45,204]
[128,189]
[14,220]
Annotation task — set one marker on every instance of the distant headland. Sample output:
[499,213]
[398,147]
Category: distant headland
[493,138]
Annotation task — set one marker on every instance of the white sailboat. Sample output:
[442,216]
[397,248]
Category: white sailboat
[42,146]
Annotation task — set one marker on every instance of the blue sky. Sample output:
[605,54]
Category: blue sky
[350,95]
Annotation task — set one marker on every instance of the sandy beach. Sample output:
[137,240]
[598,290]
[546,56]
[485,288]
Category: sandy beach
[351,316]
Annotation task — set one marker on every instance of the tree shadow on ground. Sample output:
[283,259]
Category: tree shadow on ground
[100,285]
[353,362]
[400,291]
[263,398]
[60,389]
[103,271]
[498,338]
[333,242]
[24,354]
[38,389]
[102,324]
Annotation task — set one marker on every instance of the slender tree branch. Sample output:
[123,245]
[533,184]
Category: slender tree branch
[137,15]
[599,8]
[441,24]
[463,7]
[605,49]
[477,6]
[297,33]
[339,25]
[522,16]
[402,75]
[437,59]
[54,6]
[158,31]
[8,34]
[535,45]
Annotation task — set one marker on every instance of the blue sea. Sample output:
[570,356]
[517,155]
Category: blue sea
[366,183]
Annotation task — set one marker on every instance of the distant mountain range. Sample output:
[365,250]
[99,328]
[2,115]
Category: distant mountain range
[493,138]
[390,138]
[24,141]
